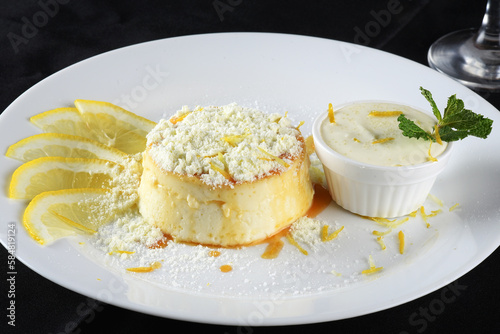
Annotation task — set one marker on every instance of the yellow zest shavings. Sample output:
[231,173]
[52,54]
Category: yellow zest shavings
[222,171]
[373,269]
[401,237]
[120,252]
[292,241]
[177,119]
[437,136]
[72,223]
[430,157]
[300,124]
[413,214]
[220,156]
[210,156]
[153,266]
[275,158]
[380,234]
[331,116]
[328,237]
[310,148]
[453,207]
[336,273]
[435,200]
[434,213]
[371,262]
[356,140]
[424,216]
[389,223]
[398,222]
[382,140]
[380,241]
[235,139]
[384,113]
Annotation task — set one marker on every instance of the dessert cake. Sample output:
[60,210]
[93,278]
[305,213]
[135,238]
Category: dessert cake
[224,176]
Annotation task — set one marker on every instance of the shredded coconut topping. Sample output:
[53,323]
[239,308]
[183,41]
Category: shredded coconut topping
[224,145]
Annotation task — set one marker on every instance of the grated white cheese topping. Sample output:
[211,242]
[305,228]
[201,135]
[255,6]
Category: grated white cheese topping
[307,231]
[241,135]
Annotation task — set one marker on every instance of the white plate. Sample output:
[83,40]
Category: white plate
[273,72]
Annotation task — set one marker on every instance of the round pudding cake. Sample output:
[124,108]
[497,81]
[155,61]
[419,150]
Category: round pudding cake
[224,176]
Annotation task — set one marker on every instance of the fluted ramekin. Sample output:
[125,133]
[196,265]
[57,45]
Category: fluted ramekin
[372,190]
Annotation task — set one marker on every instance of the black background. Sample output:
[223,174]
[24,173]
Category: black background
[76,30]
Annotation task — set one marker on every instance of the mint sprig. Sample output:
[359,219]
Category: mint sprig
[455,124]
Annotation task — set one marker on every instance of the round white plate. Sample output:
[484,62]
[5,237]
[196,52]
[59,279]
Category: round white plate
[275,73]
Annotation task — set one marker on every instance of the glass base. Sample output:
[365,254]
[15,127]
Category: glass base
[458,56]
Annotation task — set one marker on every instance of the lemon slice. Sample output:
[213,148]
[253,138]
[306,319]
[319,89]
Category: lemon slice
[55,173]
[115,126]
[63,120]
[55,214]
[62,145]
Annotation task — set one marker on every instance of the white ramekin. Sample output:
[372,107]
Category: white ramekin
[376,191]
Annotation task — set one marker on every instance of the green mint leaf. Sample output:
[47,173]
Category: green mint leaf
[412,130]
[455,124]
[448,134]
[429,98]
[453,106]
[465,123]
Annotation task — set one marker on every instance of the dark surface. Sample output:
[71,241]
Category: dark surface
[75,30]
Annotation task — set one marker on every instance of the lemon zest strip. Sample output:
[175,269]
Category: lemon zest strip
[436,134]
[153,266]
[235,139]
[275,158]
[380,241]
[331,116]
[373,269]
[430,157]
[222,171]
[292,241]
[424,216]
[328,237]
[177,119]
[376,113]
[435,199]
[401,237]
[336,273]
[383,140]
[380,234]
[120,252]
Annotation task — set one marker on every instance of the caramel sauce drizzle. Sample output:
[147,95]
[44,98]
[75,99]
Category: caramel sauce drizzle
[321,200]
